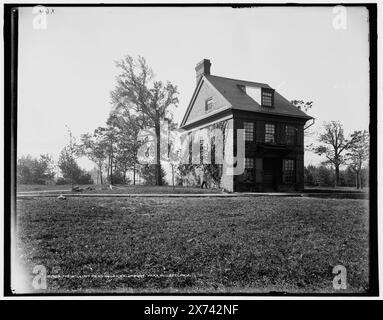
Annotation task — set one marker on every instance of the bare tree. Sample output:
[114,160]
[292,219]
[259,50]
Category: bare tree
[150,99]
[334,144]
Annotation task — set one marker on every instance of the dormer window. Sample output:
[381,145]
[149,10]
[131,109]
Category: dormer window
[208,104]
[267,97]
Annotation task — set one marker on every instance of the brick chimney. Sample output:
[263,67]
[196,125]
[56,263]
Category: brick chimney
[203,67]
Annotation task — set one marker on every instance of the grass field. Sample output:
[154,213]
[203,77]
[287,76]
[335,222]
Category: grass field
[192,245]
[122,189]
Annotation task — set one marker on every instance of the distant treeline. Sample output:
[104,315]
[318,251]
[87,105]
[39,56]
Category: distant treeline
[323,176]
[42,170]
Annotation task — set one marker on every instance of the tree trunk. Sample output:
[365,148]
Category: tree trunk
[100,170]
[158,154]
[134,173]
[108,170]
[173,175]
[111,170]
[336,175]
[358,180]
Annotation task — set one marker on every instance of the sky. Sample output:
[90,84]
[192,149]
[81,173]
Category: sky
[67,70]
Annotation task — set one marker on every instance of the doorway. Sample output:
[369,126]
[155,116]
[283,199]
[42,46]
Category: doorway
[271,170]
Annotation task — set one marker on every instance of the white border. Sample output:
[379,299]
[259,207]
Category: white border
[170,297]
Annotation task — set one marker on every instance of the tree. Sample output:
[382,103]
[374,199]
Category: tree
[85,178]
[324,176]
[67,159]
[334,144]
[149,99]
[93,146]
[300,104]
[32,170]
[311,175]
[358,154]
[306,106]
[110,139]
[69,167]
[127,127]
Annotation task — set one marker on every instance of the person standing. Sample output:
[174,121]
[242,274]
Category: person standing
[203,179]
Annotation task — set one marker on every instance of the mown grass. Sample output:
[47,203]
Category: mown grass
[216,245]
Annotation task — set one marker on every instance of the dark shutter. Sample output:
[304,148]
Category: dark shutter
[283,133]
[260,131]
[299,168]
[258,170]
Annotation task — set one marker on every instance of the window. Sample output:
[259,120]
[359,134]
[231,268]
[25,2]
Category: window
[209,104]
[249,131]
[288,171]
[290,134]
[269,133]
[248,175]
[267,97]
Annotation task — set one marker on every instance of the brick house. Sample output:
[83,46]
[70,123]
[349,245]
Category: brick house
[274,139]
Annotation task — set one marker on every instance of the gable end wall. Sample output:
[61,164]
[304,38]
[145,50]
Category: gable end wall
[198,107]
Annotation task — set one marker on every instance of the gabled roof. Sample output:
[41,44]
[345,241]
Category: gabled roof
[239,100]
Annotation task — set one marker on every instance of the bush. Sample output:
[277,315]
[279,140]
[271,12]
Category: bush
[188,175]
[148,172]
[32,170]
[117,178]
[85,178]
[62,181]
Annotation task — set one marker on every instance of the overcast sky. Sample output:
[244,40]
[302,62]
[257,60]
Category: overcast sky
[66,71]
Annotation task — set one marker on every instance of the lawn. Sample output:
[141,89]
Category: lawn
[120,189]
[194,245]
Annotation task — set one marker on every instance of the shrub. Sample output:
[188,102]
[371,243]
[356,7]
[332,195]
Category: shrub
[148,172]
[85,178]
[62,181]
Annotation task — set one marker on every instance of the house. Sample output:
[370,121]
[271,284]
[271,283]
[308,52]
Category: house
[273,130]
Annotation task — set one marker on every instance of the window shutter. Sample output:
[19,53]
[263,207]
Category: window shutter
[283,133]
[299,168]
[260,131]
[278,128]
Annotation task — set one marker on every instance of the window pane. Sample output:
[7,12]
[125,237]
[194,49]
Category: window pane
[288,171]
[290,134]
[267,98]
[249,163]
[269,133]
[249,131]
[248,174]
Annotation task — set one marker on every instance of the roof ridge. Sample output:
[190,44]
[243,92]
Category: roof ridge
[259,83]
